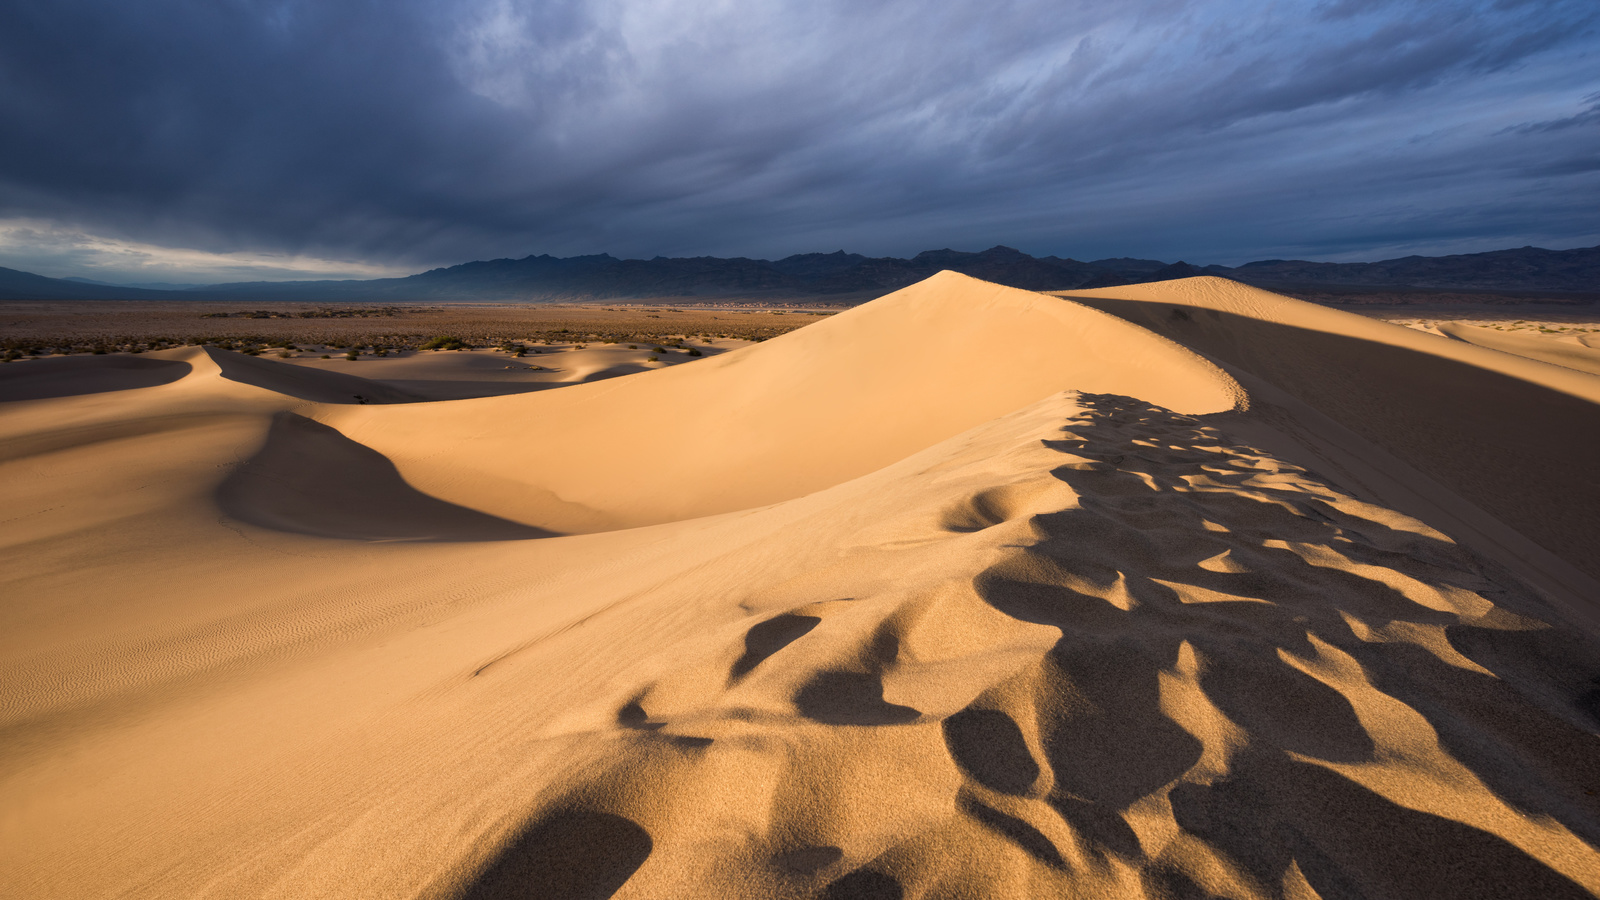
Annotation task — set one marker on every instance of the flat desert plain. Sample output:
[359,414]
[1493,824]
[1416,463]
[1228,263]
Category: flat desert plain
[1173,590]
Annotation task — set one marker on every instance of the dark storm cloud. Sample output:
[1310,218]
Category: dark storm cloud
[422,131]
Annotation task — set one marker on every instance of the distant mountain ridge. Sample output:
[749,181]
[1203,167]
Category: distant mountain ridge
[851,277]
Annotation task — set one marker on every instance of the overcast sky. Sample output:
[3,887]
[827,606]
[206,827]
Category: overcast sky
[206,140]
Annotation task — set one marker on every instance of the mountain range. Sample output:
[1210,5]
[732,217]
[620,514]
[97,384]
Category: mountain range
[851,277]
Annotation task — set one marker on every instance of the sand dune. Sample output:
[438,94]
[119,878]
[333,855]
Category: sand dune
[307,384]
[968,592]
[811,408]
[1573,356]
[310,479]
[1510,435]
[460,375]
[1164,664]
[66,377]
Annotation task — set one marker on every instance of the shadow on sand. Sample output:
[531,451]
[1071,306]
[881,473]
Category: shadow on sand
[310,479]
[69,376]
[567,855]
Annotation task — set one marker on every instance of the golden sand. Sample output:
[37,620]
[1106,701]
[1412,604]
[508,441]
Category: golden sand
[1171,590]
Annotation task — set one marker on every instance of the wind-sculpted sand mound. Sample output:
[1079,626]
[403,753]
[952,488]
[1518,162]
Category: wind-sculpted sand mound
[310,479]
[307,384]
[795,414]
[67,377]
[963,593]
[1569,355]
[1512,435]
[1157,663]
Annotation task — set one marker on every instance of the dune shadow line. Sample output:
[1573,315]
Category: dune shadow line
[310,479]
[767,638]
[1518,450]
[568,855]
[43,379]
[318,385]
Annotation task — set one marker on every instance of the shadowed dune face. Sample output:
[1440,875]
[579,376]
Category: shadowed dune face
[41,379]
[1257,687]
[309,479]
[307,384]
[1522,450]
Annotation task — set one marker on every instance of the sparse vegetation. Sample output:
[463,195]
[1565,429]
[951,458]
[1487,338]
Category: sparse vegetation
[444,342]
[310,331]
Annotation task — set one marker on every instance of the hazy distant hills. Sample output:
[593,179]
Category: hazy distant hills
[851,277]
[1524,269]
[15,285]
[845,276]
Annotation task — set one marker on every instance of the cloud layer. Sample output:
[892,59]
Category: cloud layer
[408,133]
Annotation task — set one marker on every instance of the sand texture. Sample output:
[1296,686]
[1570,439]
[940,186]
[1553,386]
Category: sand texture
[1175,590]
[1568,352]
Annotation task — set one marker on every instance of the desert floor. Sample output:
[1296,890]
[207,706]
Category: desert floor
[112,325]
[1173,590]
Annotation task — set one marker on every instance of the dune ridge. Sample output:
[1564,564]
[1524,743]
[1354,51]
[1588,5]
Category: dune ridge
[1572,356]
[1067,633]
[305,384]
[1508,434]
[801,411]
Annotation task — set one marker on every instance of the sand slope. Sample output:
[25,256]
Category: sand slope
[67,376]
[1511,435]
[811,408]
[1572,356]
[306,384]
[1144,661]
[1077,642]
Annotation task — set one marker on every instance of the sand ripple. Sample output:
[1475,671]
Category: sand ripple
[1258,686]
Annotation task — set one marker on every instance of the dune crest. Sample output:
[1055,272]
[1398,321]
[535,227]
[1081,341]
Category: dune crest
[795,414]
[1510,437]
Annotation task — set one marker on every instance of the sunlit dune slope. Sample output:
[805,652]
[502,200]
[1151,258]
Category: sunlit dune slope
[1513,435]
[1572,356]
[794,414]
[961,594]
[1094,649]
